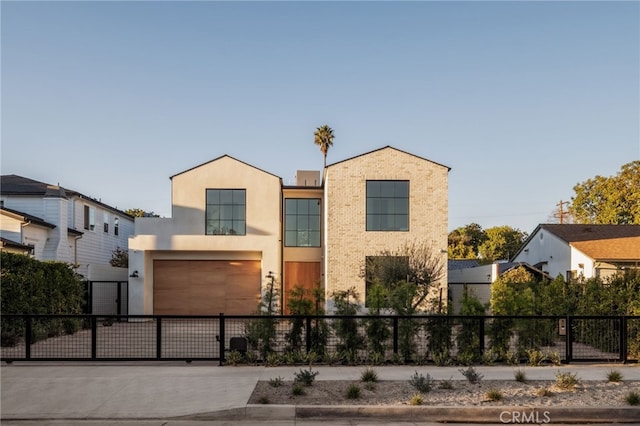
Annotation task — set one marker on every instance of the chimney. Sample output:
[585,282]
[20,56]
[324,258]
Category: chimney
[308,178]
[55,212]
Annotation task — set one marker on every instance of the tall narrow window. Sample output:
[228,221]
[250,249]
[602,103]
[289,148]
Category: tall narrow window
[105,217]
[387,205]
[116,225]
[302,222]
[226,212]
[89,218]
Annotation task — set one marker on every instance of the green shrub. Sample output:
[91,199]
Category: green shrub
[614,376]
[566,380]
[276,382]
[416,399]
[520,376]
[542,392]
[421,383]
[446,384]
[535,357]
[233,357]
[494,395]
[353,391]
[472,375]
[632,398]
[297,389]
[369,375]
[306,377]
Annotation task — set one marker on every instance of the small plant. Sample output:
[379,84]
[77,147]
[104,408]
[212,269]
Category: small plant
[233,358]
[353,391]
[251,357]
[264,399]
[494,395]
[312,357]
[512,358]
[535,357]
[297,389]
[446,384]
[465,358]
[333,358]
[632,398]
[441,358]
[614,376]
[422,383]
[520,376]
[554,358]
[369,375]
[416,399]
[370,386]
[273,359]
[489,357]
[276,382]
[306,377]
[471,374]
[566,380]
[542,392]
[376,358]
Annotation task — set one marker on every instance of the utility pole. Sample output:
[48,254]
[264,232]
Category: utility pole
[561,213]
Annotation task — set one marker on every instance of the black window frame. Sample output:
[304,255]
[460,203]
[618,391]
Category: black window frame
[226,220]
[302,233]
[388,195]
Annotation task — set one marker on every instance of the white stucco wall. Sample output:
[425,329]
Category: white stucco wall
[546,247]
[183,235]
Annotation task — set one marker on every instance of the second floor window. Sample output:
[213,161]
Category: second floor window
[89,218]
[302,222]
[387,205]
[226,212]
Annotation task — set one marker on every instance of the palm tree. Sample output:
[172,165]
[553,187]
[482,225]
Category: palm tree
[323,137]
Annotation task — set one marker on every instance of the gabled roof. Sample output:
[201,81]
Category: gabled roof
[219,158]
[572,233]
[389,147]
[27,218]
[19,185]
[600,242]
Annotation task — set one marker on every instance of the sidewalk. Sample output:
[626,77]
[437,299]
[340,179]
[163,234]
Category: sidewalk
[206,391]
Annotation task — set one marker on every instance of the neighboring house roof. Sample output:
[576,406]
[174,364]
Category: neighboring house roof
[600,242]
[455,264]
[27,218]
[19,185]
[388,147]
[219,158]
[13,244]
[611,249]
[508,266]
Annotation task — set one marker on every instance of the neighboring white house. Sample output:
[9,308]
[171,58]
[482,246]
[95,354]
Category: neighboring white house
[53,223]
[235,227]
[573,250]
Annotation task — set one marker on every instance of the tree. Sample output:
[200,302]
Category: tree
[119,258]
[323,137]
[140,213]
[501,243]
[464,241]
[609,200]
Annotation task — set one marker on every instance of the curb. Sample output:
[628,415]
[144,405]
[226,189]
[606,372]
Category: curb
[441,414]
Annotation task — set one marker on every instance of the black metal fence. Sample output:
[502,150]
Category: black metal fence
[331,339]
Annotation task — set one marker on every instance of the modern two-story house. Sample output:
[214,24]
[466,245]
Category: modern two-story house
[235,228]
[49,222]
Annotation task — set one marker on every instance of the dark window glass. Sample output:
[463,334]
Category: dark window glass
[226,212]
[302,222]
[387,205]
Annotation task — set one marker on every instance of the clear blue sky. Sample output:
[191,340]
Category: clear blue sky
[521,99]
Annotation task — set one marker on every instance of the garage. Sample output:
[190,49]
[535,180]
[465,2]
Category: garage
[206,287]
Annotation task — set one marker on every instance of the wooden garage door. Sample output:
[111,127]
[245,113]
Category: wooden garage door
[205,287]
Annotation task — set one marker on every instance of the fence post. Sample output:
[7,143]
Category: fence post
[222,339]
[569,341]
[395,335]
[308,320]
[119,301]
[27,338]
[158,337]
[623,339]
[94,337]
[481,336]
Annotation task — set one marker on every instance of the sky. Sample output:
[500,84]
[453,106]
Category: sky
[522,100]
